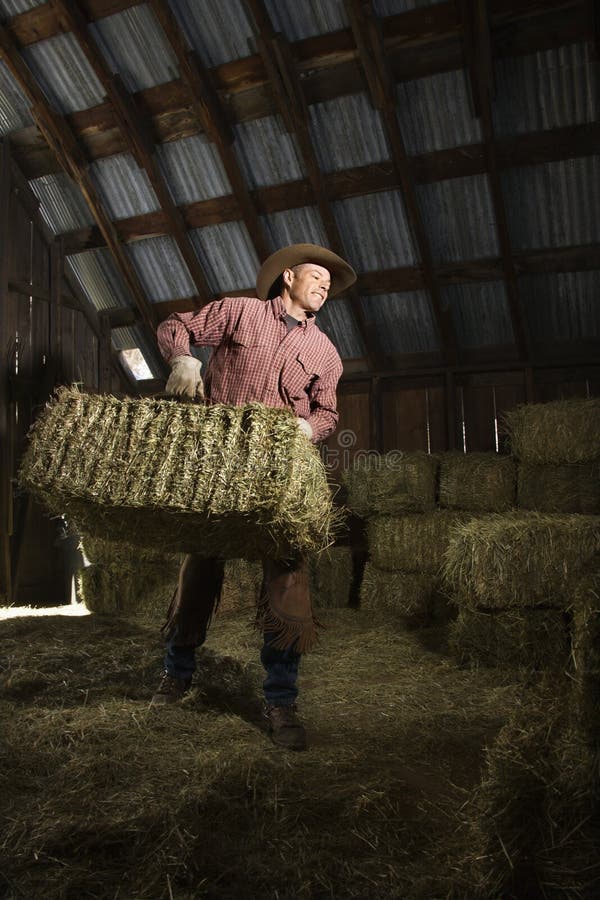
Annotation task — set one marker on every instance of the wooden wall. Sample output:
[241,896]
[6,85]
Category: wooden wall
[44,341]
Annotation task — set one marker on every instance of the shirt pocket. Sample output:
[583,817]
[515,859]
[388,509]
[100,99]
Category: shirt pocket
[301,374]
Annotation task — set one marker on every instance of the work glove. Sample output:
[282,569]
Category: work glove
[184,380]
[305,427]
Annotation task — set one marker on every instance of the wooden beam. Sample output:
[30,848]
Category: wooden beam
[210,112]
[70,154]
[367,35]
[138,136]
[478,47]
[5,430]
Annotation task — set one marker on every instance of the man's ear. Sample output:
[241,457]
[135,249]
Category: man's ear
[287,276]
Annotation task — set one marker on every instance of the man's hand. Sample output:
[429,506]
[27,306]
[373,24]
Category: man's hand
[305,428]
[185,380]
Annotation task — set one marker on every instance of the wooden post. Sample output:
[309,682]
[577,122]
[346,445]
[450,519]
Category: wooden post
[5,431]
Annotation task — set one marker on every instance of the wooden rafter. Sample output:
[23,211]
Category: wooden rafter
[72,158]
[381,88]
[138,136]
[478,51]
[214,121]
[283,77]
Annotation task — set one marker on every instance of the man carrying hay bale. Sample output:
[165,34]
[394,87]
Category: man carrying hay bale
[267,350]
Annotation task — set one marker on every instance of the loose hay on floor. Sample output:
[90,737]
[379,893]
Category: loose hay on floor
[480,482]
[406,593]
[413,542]
[558,433]
[109,798]
[391,483]
[559,489]
[520,559]
[236,482]
[512,638]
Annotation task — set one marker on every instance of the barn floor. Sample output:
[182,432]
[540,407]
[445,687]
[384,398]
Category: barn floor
[102,797]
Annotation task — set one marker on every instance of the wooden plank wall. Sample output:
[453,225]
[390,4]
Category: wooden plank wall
[41,345]
[434,414]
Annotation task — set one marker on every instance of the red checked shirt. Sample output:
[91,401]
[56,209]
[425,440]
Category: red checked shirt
[256,357]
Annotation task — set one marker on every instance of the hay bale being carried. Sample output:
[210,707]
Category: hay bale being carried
[511,638]
[331,575]
[393,483]
[481,482]
[406,593]
[559,489]
[519,559]
[234,482]
[413,542]
[558,433]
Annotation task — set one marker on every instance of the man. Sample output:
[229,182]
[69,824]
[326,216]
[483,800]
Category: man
[268,350]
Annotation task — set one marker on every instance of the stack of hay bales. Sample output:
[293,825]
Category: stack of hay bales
[234,482]
[126,580]
[557,446]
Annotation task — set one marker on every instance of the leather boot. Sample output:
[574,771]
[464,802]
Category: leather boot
[285,727]
[170,690]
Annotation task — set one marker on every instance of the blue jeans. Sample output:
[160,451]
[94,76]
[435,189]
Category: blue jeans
[280,685]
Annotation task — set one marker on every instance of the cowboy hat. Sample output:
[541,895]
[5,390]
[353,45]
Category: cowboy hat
[342,274]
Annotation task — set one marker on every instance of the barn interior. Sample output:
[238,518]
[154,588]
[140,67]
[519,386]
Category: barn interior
[152,155]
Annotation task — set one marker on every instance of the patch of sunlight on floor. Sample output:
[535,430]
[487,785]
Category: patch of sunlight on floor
[74,608]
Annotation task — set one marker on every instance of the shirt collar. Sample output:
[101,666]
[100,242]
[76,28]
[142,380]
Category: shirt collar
[279,312]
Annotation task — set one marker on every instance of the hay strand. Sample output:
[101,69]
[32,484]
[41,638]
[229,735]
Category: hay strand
[480,482]
[392,483]
[413,542]
[558,433]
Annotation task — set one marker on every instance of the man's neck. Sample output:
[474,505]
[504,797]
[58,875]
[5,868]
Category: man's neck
[293,309]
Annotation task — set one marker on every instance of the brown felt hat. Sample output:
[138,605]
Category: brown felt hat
[342,274]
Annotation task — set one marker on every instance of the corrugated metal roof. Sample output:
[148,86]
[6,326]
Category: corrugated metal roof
[401,323]
[458,216]
[125,338]
[554,204]
[435,113]
[193,169]
[302,20]
[161,269]
[392,7]
[14,7]
[337,321]
[549,89]
[375,232]
[134,45]
[294,226]
[347,132]
[562,306]
[267,152]
[61,203]
[227,256]
[100,279]
[480,313]
[218,32]
[14,105]
[64,73]
[123,187]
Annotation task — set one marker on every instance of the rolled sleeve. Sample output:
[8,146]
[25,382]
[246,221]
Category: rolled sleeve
[205,328]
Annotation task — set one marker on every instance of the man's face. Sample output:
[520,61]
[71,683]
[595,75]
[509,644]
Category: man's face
[308,285]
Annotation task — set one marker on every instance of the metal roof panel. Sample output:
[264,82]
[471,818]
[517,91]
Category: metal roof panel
[227,256]
[401,323]
[375,231]
[267,152]
[218,32]
[480,313]
[562,306]
[193,169]
[347,132]
[459,219]
[62,204]
[295,226]
[14,105]
[124,188]
[64,73]
[337,321]
[161,269]
[101,281]
[302,20]
[125,338]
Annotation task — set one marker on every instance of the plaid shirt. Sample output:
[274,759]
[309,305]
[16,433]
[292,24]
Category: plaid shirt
[256,358]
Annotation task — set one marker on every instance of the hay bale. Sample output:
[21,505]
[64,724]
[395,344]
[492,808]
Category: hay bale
[392,483]
[241,586]
[481,482]
[519,559]
[406,593]
[558,433]
[331,576]
[511,638]
[412,543]
[235,482]
[585,609]
[559,489]
[126,580]
[532,830]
